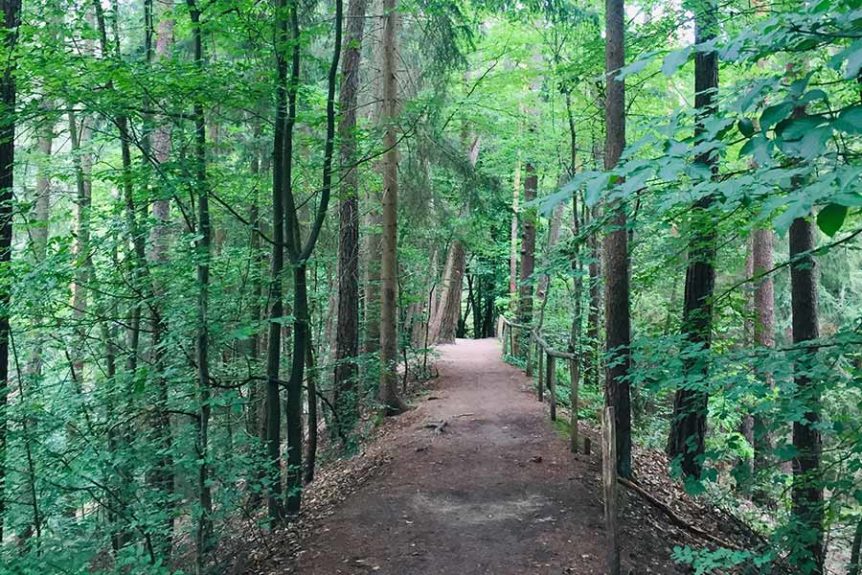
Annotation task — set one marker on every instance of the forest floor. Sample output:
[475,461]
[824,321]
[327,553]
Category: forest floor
[474,480]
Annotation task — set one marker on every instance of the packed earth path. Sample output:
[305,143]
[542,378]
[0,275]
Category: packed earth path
[477,481]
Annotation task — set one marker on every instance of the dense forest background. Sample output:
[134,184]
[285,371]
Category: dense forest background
[231,233]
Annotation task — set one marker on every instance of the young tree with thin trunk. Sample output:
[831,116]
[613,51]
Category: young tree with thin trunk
[204,528]
[299,251]
[8,94]
[388,394]
[616,248]
[688,426]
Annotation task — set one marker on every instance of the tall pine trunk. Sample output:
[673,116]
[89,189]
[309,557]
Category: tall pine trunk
[617,313]
[388,393]
[808,509]
[688,426]
[346,384]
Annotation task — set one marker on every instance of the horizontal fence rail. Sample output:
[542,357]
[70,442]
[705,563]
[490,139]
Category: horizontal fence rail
[547,356]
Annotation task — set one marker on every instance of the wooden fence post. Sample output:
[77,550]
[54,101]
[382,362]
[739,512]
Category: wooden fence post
[513,350]
[574,372]
[530,341]
[552,385]
[609,480]
[541,351]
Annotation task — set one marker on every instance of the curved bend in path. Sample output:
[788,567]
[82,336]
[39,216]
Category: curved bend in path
[495,492]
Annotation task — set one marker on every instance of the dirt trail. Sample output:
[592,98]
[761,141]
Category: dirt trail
[495,491]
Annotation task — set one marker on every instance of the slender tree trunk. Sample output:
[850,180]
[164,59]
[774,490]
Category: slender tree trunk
[617,313]
[346,385]
[808,510]
[513,240]
[301,252]
[162,476]
[688,426]
[388,393]
[528,251]
[764,333]
[204,532]
[32,371]
[11,20]
[311,384]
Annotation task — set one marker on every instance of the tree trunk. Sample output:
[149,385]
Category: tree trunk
[11,20]
[388,393]
[346,385]
[204,531]
[764,333]
[808,510]
[688,427]
[513,241]
[445,324]
[162,476]
[617,313]
[528,253]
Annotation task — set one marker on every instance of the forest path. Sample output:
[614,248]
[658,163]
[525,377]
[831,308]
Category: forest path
[495,491]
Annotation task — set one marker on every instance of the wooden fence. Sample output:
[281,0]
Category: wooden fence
[547,357]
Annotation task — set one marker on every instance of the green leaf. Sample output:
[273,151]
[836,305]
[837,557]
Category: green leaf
[854,60]
[813,96]
[774,114]
[674,60]
[796,128]
[831,218]
[746,127]
[850,120]
[635,67]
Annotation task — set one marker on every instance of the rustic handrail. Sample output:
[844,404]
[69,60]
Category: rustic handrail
[547,376]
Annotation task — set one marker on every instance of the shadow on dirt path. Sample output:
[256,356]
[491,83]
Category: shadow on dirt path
[477,482]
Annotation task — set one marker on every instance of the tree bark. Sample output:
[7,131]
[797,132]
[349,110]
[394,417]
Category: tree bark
[808,510]
[617,313]
[528,252]
[11,20]
[162,476]
[204,528]
[688,427]
[764,333]
[513,240]
[445,324]
[388,393]
[272,405]
[345,386]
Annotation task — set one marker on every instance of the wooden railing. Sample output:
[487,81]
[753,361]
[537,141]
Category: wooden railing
[507,332]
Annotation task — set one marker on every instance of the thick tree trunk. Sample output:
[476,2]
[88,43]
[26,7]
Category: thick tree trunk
[346,384]
[808,510]
[688,427]
[617,313]
[445,324]
[388,394]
